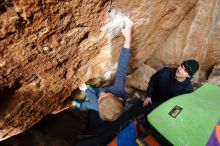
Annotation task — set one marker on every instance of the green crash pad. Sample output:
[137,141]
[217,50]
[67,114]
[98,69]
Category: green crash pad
[196,121]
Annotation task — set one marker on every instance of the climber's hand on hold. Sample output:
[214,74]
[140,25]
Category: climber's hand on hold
[126,31]
[83,87]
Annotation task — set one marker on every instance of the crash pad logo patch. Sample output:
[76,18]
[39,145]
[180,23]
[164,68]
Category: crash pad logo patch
[175,111]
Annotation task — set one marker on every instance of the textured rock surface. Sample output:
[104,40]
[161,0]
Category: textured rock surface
[48,48]
[197,36]
[214,77]
[43,46]
[140,78]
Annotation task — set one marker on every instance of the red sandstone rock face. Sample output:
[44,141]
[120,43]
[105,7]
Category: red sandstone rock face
[140,78]
[42,50]
[197,36]
[48,48]
[214,77]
